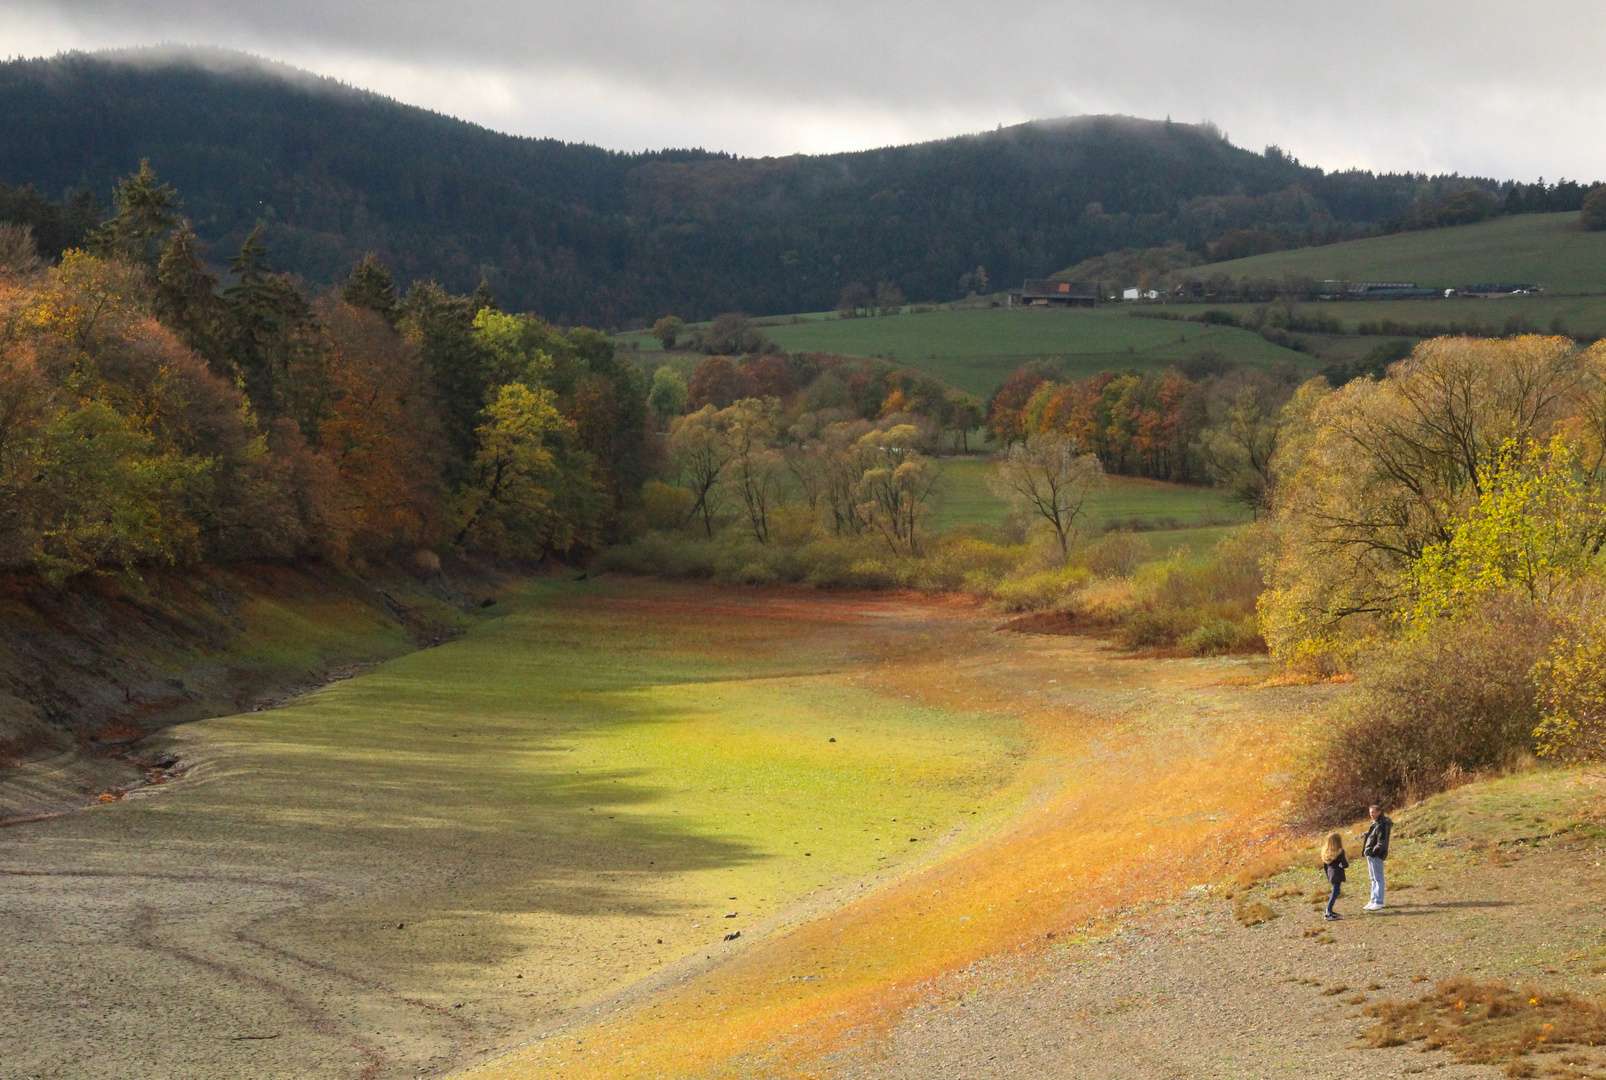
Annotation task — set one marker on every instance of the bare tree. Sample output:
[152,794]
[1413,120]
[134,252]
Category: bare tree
[1049,477]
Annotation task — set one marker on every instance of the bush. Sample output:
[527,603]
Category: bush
[1041,591]
[1217,636]
[1458,698]
[1117,555]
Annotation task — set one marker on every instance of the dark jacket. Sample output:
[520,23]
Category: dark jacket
[1335,869]
[1376,844]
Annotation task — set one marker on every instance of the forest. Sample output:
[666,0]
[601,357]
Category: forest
[149,415]
[585,236]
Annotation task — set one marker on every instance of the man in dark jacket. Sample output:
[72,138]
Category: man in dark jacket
[1375,847]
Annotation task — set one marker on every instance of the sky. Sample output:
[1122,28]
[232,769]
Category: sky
[1508,90]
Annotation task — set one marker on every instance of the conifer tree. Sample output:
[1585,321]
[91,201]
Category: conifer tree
[186,299]
[483,298]
[146,210]
[370,286]
[267,334]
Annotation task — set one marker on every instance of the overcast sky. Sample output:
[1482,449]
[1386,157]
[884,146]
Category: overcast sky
[1505,89]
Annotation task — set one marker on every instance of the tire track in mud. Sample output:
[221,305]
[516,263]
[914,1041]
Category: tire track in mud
[143,934]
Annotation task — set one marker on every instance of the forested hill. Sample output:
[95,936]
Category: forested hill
[584,235]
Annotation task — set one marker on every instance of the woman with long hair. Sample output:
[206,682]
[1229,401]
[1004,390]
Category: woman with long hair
[1334,863]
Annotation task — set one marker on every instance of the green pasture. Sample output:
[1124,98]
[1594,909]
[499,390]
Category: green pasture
[975,349]
[1547,249]
[1573,315]
[962,497]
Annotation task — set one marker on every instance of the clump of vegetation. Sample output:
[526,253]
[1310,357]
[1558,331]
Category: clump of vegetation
[1488,1022]
[1254,913]
[1457,699]
[1442,532]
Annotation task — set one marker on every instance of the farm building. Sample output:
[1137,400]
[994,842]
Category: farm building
[1056,294]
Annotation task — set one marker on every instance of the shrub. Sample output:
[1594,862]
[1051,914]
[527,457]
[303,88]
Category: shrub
[1043,590]
[1457,698]
[1218,635]
[1118,554]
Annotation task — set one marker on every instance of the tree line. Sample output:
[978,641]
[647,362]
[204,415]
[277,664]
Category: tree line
[150,413]
[1202,421]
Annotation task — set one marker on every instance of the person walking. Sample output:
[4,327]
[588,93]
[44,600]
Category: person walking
[1375,846]
[1334,863]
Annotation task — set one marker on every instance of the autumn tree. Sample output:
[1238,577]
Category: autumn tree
[755,469]
[894,492]
[1004,418]
[1048,477]
[521,500]
[1593,214]
[701,448]
[855,300]
[1238,452]
[668,330]
[1390,469]
[668,395]
[720,383]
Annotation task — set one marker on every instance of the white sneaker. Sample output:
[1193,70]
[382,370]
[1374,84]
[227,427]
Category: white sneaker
[1373,907]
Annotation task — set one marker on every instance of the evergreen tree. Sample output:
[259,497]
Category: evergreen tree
[267,335]
[458,366]
[482,298]
[186,299]
[145,210]
[370,286]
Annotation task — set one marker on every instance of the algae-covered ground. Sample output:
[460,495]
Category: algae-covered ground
[453,850]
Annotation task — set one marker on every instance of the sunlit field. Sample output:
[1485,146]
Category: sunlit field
[962,497]
[975,349]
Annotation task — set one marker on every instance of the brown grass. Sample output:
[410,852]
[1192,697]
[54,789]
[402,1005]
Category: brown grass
[1488,1022]
[1255,913]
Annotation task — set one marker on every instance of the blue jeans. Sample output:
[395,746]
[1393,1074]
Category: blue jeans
[1333,897]
[1374,868]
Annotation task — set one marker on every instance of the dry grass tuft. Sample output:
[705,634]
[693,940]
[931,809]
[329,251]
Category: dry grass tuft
[1334,991]
[1488,1022]
[1253,914]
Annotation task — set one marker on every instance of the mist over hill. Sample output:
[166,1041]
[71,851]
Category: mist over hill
[585,235]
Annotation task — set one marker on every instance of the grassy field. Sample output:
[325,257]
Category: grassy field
[962,497]
[1547,249]
[975,349]
[1574,315]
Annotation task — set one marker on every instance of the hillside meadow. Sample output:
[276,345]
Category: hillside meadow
[1546,249]
[975,348]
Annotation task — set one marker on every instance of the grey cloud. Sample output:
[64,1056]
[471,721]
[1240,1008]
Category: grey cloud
[1483,87]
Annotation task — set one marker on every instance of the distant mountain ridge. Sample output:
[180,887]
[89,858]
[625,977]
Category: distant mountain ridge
[585,235]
